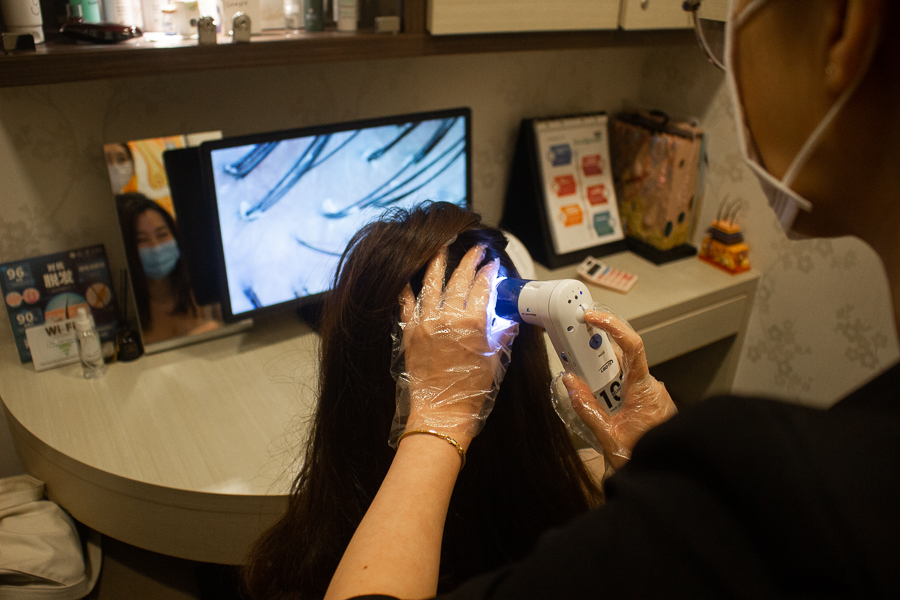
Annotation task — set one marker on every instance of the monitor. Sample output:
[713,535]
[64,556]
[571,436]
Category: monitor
[286,203]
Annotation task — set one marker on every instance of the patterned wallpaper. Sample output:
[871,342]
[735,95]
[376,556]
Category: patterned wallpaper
[54,191]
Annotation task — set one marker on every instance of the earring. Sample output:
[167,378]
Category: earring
[829,70]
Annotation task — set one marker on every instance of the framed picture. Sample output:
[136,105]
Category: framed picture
[168,312]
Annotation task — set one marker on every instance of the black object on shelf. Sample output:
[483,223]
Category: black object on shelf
[16,42]
[127,340]
[197,219]
[100,33]
[657,256]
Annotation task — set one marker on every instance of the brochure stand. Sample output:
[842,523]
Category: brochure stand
[561,199]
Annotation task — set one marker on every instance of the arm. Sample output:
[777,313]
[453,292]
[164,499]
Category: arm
[396,549]
[450,368]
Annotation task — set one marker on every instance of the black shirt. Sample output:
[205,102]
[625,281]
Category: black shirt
[736,497]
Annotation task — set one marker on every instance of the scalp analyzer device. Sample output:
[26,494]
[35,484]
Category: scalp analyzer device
[558,306]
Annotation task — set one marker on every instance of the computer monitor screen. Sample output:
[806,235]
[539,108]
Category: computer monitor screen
[288,202]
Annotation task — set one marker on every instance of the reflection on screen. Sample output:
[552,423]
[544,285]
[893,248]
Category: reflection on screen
[288,208]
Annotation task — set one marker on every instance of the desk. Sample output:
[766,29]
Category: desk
[187,452]
[190,452]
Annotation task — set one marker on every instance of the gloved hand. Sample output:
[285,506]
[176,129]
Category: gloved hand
[646,401]
[448,360]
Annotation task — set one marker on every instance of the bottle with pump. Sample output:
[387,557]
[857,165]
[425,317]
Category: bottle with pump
[89,345]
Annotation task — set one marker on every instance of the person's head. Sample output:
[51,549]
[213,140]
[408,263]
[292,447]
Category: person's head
[152,250]
[522,475]
[120,164]
[817,85]
[793,62]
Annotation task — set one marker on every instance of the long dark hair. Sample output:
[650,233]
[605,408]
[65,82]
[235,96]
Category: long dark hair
[130,206]
[522,476]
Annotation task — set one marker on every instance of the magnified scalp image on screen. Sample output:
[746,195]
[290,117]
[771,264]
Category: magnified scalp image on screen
[287,207]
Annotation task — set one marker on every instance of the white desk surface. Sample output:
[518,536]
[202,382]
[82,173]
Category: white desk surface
[191,452]
[676,307]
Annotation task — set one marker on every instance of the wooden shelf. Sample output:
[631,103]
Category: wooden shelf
[58,61]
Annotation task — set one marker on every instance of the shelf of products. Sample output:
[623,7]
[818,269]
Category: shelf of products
[60,61]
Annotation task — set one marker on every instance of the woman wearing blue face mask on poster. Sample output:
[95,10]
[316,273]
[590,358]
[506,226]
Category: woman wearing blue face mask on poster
[735,497]
[162,291]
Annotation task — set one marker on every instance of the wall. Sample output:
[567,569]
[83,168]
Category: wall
[55,192]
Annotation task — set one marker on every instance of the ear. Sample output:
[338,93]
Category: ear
[856,30]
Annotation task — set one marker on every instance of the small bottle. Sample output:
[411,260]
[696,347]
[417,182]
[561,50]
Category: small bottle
[347,15]
[312,15]
[293,16]
[89,346]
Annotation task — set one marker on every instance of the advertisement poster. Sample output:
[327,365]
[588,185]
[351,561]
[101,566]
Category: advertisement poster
[573,154]
[49,289]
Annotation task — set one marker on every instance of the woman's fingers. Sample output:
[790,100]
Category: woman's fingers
[585,406]
[627,338]
[581,397]
[461,281]
[480,292]
[407,305]
[433,284]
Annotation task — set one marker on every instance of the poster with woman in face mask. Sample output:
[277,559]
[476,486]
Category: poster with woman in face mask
[168,313]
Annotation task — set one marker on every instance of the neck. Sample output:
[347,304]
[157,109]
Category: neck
[871,207]
[854,183]
[160,289]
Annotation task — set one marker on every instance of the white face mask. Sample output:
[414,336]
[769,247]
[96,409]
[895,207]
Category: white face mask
[119,175]
[783,200]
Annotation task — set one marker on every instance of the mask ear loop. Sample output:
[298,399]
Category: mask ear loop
[748,11]
[731,26]
[817,133]
[787,202]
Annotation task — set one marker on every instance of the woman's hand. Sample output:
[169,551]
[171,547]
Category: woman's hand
[453,361]
[646,402]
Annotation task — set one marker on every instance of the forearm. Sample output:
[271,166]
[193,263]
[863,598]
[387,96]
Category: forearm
[397,547]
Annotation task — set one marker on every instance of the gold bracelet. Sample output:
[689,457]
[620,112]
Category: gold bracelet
[443,436]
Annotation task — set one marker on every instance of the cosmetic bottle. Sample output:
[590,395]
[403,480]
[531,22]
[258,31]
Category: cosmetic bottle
[89,345]
[90,10]
[347,15]
[23,18]
[313,18]
[293,16]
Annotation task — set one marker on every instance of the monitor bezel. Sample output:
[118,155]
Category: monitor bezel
[206,166]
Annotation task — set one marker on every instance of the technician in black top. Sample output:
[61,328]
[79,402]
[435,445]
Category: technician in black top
[735,497]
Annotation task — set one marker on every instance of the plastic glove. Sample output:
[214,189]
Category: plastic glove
[448,360]
[646,401]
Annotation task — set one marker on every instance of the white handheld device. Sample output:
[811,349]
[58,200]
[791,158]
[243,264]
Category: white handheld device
[558,306]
